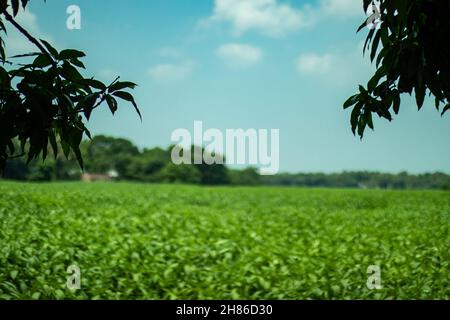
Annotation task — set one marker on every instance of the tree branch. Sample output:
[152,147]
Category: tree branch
[102,97]
[29,36]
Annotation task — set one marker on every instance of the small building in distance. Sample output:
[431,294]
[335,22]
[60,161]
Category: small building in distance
[93,177]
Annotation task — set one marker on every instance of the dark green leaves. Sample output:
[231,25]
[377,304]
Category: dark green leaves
[128,97]
[351,101]
[51,50]
[446,108]
[94,84]
[43,102]
[412,59]
[354,119]
[375,42]
[122,85]
[420,95]
[69,72]
[87,103]
[42,61]
[70,54]
[396,101]
[112,104]
[15,6]
[2,43]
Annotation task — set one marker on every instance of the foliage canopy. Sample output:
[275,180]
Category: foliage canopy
[45,99]
[411,52]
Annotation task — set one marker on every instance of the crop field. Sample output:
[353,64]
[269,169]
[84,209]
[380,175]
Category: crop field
[136,241]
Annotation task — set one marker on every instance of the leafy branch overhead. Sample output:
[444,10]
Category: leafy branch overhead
[411,53]
[45,99]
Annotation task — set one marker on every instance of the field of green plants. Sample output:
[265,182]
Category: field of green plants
[135,241]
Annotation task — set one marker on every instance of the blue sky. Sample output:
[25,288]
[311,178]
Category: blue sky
[260,64]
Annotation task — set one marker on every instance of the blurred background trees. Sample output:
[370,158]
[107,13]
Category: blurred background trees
[106,155]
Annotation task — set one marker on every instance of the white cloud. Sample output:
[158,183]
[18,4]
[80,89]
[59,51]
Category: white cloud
[274,18]
[341,8]
[240,55]
[170,52]
[266,16]
[311,63]
[168,72]
[338,68]
[16,43]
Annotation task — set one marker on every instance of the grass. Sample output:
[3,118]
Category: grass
[136,241]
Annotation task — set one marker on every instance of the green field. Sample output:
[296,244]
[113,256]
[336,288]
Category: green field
[136,241]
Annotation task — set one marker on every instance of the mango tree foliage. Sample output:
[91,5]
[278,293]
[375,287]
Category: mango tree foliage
[411,53]
[44,97]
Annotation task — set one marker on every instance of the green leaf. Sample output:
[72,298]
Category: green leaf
[75,135]
[356,112]
[14,274]
[87,103]
[15,6]
[122,85]
[3,5]
[42,61]
[375,42]
[53,144]
[94,84]
[362,26]
[36,296]
[65,147]
[446,108]
[396,104]
[368,118]
[2,50]
[44,148]
[24,3]
[49,47]
[361,126]
[112,104]
[373,82]
[77,63]
[366,4]
[70,73]
[368,39]
[420,95]
[70,54]
[87,132]
[31,54]
[351,101]
[380,57]
[128,97]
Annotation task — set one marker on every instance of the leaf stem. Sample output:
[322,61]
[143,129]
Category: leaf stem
[29,37]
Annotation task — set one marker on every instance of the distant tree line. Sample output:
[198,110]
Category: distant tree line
[104,155]
[362,179]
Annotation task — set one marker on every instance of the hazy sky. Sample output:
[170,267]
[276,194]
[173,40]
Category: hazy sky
[260,64]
